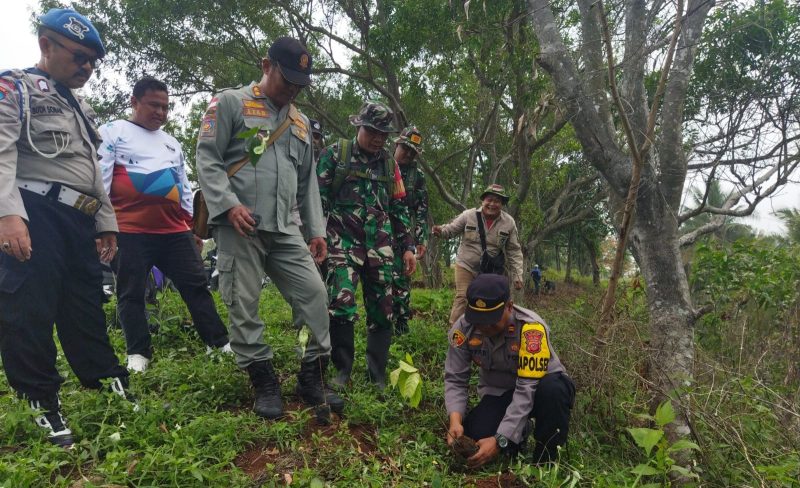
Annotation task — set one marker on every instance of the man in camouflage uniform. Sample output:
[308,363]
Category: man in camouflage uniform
[363,201]
[407,148]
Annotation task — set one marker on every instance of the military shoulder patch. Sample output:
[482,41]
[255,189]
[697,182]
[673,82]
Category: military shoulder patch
[458,338]
[534,352]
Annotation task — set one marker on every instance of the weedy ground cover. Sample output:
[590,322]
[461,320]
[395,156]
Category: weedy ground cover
[195,427]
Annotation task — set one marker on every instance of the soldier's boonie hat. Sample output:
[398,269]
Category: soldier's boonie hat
[412,138]
[498,190]
[376,115]
[293,60]
[487,296]
[316,127]
[74,27]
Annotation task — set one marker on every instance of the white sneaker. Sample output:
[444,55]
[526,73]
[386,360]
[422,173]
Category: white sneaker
[226,349]
[137,363]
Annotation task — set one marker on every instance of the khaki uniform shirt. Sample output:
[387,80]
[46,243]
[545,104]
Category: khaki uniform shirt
[514,360]
[51,124]
[503,235]
[284,173]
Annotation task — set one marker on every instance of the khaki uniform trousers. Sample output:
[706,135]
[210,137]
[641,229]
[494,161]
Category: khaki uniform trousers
[463,277]
[287,261]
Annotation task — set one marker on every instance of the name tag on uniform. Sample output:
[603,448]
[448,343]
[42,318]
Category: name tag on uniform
[254,108]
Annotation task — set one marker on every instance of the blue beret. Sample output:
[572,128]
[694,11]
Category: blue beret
[73,26]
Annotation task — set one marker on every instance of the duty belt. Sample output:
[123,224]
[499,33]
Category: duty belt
[62,194]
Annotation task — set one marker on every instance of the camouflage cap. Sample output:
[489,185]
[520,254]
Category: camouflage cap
[376,115]
[495,189]
[412,138]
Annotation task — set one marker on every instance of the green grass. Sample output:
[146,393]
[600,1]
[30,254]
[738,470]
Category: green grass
[196,428]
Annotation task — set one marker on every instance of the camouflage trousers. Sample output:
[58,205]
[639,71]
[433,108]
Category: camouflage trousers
[401,289]
[374,270]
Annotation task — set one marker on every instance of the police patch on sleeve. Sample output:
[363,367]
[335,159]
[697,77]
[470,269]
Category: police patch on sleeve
[534,352]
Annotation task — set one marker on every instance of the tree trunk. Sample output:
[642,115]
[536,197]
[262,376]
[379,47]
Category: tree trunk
[568,270]
[656,241]
[592,250]
[558,258]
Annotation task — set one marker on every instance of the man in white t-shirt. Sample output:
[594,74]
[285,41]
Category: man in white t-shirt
[144,174]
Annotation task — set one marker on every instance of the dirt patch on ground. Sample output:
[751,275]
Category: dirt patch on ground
[504,480]
[254,460]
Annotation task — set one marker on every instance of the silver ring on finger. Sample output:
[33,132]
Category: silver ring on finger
[6,245]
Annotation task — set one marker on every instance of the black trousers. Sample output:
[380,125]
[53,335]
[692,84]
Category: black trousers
[178,257]
[61,284]
[552,406]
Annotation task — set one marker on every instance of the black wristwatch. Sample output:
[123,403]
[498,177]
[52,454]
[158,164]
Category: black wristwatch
[502,441]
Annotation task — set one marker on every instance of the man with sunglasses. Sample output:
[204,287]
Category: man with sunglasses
[362,197]
[56,223]
[250,216]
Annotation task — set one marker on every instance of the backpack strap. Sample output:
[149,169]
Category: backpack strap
[343,161]
[389,174]
[343,156]
[481,231]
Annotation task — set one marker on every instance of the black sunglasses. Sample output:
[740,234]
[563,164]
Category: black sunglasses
[78,57]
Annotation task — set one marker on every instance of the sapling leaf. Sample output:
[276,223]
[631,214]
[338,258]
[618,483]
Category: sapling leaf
[664,414]
[646,438]
[645,470]
[302,339]
[248,133]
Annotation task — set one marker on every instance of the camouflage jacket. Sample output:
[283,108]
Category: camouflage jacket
[417,201]
[363,214]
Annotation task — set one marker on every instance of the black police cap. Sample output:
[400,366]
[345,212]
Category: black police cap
[293,60]
[487,296]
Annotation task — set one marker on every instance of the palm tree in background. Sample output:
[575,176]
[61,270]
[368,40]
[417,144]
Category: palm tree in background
[791,219]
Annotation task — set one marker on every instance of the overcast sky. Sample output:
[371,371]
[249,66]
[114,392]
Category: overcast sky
[18,49]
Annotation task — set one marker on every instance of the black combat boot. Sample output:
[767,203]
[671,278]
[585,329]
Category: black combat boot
[378,342]
[342,350]
[50,419]
[311,387]
[268,402]
[401,325]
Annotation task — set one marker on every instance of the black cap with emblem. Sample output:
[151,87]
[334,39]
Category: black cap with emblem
[316,127]
[293,60]
[486,299]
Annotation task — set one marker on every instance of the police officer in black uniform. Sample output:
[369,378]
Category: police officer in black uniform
[56,224]
[521,376]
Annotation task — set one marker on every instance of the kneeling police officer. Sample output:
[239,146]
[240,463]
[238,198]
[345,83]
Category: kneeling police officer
[521,377]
